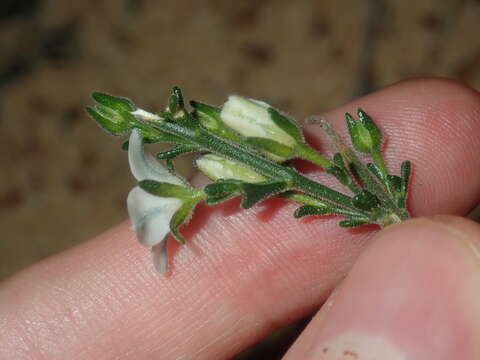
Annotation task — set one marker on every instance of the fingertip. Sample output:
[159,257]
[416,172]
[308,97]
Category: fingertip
[413,294]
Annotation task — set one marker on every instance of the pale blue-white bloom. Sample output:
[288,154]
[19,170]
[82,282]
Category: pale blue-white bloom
[150,214]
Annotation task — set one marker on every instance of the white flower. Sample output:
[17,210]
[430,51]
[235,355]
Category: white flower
[150,214]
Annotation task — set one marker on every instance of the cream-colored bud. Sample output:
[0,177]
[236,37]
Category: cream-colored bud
[217,167]
[251,118]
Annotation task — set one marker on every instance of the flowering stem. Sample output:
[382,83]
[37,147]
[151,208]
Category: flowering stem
[266,167]
[305,152]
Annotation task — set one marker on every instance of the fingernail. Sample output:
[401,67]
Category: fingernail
[407,297]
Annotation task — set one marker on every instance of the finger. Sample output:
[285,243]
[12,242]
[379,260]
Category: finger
[242,273]
[413,294]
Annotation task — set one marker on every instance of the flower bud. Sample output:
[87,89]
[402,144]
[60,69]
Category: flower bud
[256,119]
[216,167]
[365,135]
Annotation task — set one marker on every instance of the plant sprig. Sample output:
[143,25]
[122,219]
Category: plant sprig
[244,147]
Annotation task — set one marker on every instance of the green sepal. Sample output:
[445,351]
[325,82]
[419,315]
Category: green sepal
[109,120]
[170,165]
[220,191]
[179,218]
[206,110]
[365,135]
[365,200]
[307,210]
[353,222]
[359,135]
[372,128]
[114,102]
[176,151]
[178,99]
[164,189]
[270,146]
[188,196]
[209,117]
[125,145]
[286,124]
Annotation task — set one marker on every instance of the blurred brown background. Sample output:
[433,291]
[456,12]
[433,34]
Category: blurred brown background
[64,180]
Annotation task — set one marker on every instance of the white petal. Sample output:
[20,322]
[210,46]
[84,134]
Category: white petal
[151,215]
[144,166]
[160,257]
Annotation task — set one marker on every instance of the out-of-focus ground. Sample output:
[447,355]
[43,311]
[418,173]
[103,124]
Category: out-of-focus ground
[64,180]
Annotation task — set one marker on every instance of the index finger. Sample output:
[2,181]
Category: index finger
[242,273]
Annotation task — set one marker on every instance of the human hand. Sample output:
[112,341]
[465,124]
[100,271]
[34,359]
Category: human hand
[412,294]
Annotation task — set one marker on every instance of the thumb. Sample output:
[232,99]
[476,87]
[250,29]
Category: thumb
[413,294]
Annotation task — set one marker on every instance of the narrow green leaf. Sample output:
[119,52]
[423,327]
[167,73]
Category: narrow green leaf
[220,191]
[286,124]
[338,159]
[307,210]
[376,171]
[339,173]
[353,222]
[270,146]
[113,102]
[405,175]
[365,200]
[396,182]
[254,193]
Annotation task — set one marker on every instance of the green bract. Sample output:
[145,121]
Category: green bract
[243,148]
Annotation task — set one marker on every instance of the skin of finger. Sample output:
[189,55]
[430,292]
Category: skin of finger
[413,294]
[242,273]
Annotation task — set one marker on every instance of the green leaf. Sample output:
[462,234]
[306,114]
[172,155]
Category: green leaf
[339,173]
[307,210]
[254,193]
[353,222]
[286,124]
[365,200]
[338,160]
[164,189]
[396,182]
[125,146]
[114,102]
[220,191]
[375,170]
[270,146]
[177,150]
[405,175]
